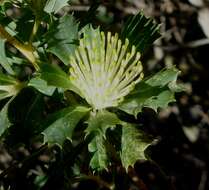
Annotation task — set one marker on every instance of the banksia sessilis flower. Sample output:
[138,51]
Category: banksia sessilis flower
[104,69]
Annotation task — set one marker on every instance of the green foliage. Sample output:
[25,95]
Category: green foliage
[54,76]
[9,86]
[141,31]
[63,128]
[134,143]
[155,92]
[97,127]
[3,58]
[41,86]
[99,160]
[61,38]
[101,122]
[54,5]
[110,78]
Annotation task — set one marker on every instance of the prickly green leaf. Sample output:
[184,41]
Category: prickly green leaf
[163,77]
[3,58]
[63,127]
[155,92]
[140,31]
[97,126]
[41,86]
[100,158]
[133,144]
[62,37]
[55,5]
[55,76]
[51,118]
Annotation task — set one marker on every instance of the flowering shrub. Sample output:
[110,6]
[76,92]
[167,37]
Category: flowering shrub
[80,100]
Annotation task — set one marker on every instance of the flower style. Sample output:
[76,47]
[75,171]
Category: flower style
[103,69]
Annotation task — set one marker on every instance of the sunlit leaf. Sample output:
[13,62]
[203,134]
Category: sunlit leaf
[97,127]
[134,143]
[155,92]
[100,159]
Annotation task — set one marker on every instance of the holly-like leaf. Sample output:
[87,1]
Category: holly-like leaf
[97,127]
[140,31]
[63,127]
[55,5]
[99,160]
[41,86]
[55,76]
[62,38]
[3,58]
[155,92]
[133,144]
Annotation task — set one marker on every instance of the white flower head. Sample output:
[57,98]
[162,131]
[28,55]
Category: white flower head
[103,69]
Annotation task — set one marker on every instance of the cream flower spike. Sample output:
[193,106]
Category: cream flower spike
[103,69]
